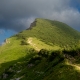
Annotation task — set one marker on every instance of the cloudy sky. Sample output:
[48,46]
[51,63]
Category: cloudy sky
[16,15]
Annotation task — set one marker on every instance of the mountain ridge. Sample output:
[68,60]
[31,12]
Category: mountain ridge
[45,30]
[45,50]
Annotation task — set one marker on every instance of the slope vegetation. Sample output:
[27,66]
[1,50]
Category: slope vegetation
[52,33]
[46,50]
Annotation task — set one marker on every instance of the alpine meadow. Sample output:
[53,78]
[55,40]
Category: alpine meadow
[47,50]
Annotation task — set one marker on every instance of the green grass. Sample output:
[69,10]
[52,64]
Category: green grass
[12,51]
[57,69]
[52,33]
[25,48]
[38,45]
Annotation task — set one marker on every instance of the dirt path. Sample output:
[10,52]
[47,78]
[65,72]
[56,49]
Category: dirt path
[30,41]
[33,44]
[76,66]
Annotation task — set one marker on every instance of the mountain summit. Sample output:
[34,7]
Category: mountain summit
[48,50]
[52,33]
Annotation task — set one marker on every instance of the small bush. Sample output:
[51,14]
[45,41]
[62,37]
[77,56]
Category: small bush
[23,42]
[55,54]
[43,53]
[35,58]
[71,52]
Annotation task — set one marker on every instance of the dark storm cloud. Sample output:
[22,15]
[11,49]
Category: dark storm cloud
[18,14]
[14,14]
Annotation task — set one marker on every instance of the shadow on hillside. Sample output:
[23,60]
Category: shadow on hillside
[61,70]
[11,67]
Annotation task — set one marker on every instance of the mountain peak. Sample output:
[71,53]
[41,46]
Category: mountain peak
[47,49]
[52,32]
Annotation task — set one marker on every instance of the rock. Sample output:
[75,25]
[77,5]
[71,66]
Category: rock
[6,41]
[5,76]
[30,65]
[18,71]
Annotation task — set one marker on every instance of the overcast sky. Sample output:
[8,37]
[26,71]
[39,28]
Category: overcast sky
[16,15]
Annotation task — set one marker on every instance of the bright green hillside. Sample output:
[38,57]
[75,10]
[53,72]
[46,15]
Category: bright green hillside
[52,33]
[48,50]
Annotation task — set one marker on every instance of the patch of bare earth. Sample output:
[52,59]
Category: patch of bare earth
[30,41]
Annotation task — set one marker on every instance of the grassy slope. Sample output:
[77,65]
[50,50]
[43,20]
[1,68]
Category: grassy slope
[12,51]
[42,70]
[53,33]
[38,45]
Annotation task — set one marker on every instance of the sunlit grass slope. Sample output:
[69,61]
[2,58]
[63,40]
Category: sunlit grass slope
[12,51]
[52,33]
[39,53]
[38,45]
[36,67]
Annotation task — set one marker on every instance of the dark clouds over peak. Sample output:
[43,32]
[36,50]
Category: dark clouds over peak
[18,14]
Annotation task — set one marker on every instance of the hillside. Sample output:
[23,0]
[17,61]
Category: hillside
[48,50]
[52,33]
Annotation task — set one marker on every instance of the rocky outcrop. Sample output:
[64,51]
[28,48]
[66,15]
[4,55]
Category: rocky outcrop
[32,25]
[7,41]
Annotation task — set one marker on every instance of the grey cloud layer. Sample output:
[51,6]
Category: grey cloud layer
[18,14]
